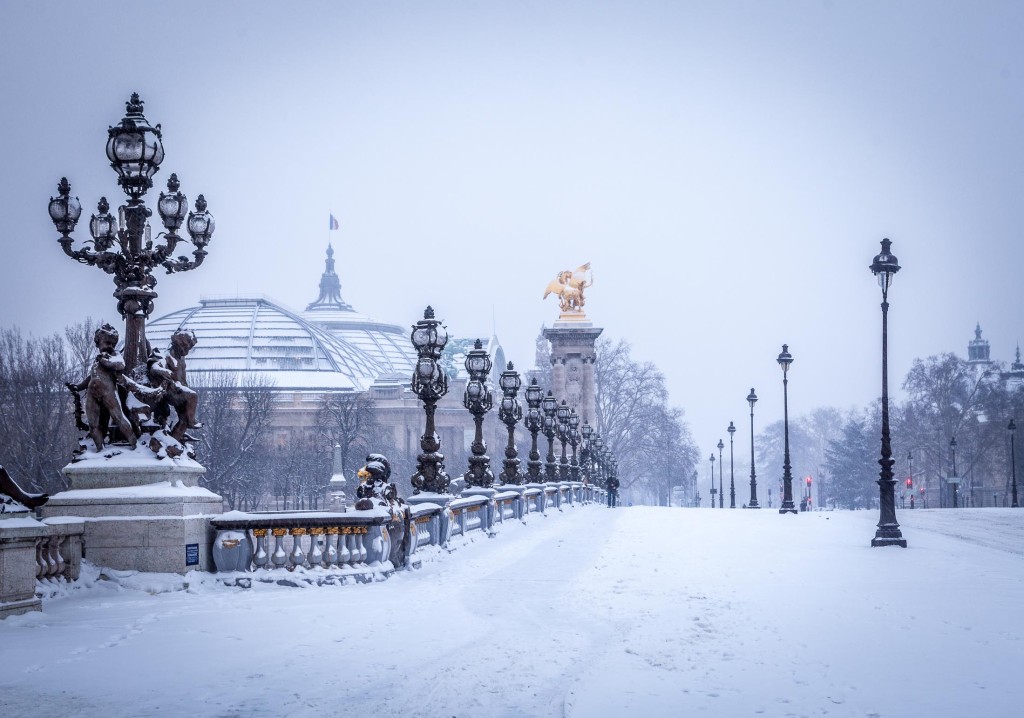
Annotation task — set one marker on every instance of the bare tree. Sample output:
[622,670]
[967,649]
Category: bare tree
[37,431]
[236,415]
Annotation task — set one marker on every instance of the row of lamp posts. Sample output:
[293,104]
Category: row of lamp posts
[583,453]
[888,533]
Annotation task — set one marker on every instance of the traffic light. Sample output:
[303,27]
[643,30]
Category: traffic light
[910,483]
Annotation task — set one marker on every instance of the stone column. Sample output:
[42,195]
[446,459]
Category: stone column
[572,371]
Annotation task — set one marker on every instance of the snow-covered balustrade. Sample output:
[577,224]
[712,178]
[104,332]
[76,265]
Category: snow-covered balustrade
[552,496]
[534,496]
[471,513]
[428,524]
[309,539]
[59,554]
[565,492]
[509,505]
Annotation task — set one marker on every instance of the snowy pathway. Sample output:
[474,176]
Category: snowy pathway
[637,611]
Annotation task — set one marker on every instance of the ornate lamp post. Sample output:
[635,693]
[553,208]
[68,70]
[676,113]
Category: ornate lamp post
[534,422]
[562,415]
[510,412]
[429,383]
[478,401]
[785,359]
[888,533]
[587,434]
[124,247]
[713,489]
[597,456]
[574,442]
[550,428]
[732,476]
[752,399]
[721,493]
[1013,465]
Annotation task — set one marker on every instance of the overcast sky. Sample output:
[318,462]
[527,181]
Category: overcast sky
[728,168]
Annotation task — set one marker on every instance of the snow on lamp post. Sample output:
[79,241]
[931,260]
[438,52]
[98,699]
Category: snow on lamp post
[550,428]
[123,247]
[429,383]
[478,401]
[887,533]
[510,412]
[562,415]
[752,399]
[574,442]
[534,422]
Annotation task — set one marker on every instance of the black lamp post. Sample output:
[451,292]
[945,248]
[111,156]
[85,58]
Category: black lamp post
[888,533]
[713,489]
[562,416]
[574,442]
[123,247]
[550,428]
[1013,465]
[910,477]
[478,401]
[534,422]
[721,493]
[752,399]
[954,479]
[587,433]
[510,412]
[785,359]
[732,476]
[429,383]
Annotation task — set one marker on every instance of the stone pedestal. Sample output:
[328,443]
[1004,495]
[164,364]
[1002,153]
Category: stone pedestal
[572,365]
[148,517]
[19,533]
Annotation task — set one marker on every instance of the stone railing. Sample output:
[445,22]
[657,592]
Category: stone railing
[471,513]
[359,540]
[30,551]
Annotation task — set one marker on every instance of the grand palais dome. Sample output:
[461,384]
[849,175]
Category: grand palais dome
[328,346]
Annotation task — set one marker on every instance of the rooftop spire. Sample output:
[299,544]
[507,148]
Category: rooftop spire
[330,287]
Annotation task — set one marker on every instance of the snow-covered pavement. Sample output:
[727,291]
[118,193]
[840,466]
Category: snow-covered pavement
[595,612]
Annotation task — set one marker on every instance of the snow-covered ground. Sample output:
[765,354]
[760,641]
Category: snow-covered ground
[595,612]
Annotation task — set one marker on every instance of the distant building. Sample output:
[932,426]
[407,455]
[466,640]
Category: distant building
[329,348]
[978,351]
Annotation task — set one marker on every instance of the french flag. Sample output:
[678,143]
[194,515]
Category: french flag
[334,223]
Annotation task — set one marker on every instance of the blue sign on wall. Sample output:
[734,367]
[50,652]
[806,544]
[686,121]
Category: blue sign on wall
[192,554]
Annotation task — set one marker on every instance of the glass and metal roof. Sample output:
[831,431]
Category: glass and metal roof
[329,346]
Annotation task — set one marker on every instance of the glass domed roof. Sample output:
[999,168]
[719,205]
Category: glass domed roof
[328,346]
[255,335]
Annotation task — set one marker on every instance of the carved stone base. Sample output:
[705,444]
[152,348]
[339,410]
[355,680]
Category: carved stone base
[163,526]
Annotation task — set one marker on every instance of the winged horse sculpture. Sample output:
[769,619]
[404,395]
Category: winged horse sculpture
[569,286]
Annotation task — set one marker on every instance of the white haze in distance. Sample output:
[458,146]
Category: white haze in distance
[728,169]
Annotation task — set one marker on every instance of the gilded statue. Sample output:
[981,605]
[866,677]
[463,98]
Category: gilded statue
[569,286]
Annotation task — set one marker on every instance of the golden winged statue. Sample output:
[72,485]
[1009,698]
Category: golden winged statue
[569,286]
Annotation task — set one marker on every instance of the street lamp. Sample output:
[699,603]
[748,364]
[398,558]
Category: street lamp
[587,433]
[954,479]
[574,442]
[478,401]
[888,533]
[550,428]
[785,359]
[721,494]
[713,489]
[1013,464]
[123,247]
[752,399]
[534,422]
[510,412]
[562,414]
[429,383]
[910,477]
[732,477]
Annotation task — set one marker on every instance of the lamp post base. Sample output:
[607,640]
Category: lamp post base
[889,537]
[790,509]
